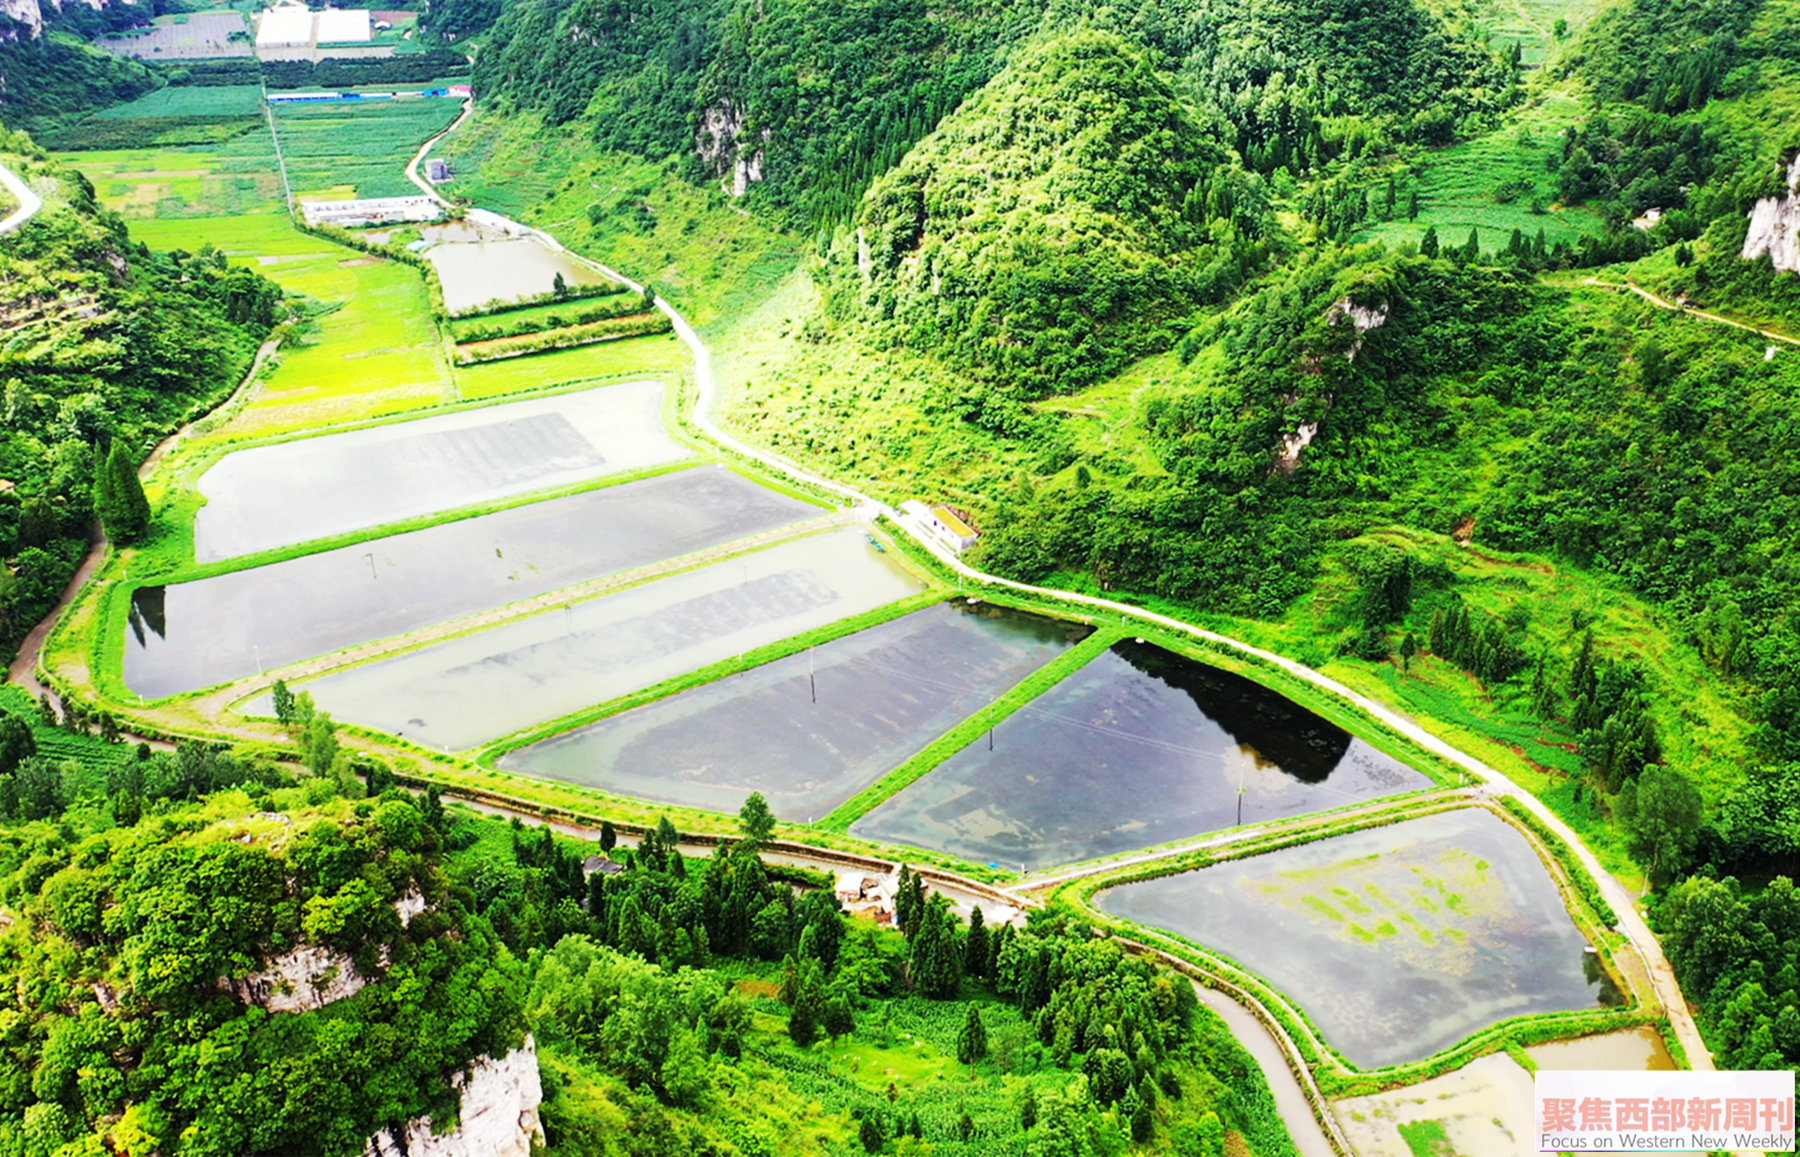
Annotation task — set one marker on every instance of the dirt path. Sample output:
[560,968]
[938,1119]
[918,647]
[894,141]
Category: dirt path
[246,389]
[1677,307]
[412,166]
[23,671]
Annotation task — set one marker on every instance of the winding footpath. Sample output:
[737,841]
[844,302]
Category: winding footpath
[29,202]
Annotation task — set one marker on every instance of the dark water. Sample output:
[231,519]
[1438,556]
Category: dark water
[1139,747]
[199,633]
[1397,941]
[882,695]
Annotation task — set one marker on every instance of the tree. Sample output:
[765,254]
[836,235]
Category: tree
[1428,245]
[16,743]
[119,498]
[871,1134]
[756,821]
[975,945]
[840,1019]
[1662,821]
[803,1021]
[1471,250]
[284,702]
[971,1042]
[684,1073]
[559,285]
[609,836]
[1027,1108]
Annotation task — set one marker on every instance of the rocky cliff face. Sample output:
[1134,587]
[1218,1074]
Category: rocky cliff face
[307,978]
[1775,225]
[499,1115]
[26,12]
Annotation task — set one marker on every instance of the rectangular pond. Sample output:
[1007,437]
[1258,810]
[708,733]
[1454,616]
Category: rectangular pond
[479,687]
[195,634]
[813,729]
[311,488]
[1398,941]
[1139,747]
[476,267]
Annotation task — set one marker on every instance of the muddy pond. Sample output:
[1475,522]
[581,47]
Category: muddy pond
[813,729]
[478,267]
[1397,941]
[1139,747]
[195,634]
[311,488]
[479,687]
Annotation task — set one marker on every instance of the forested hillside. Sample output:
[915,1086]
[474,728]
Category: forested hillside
[52,76]
[107,345]
[808,101]
[211,952]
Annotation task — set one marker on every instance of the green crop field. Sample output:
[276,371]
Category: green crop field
[358,150]
[658,353]
[228,179]
[266,240]
[228,100]
[1494,184]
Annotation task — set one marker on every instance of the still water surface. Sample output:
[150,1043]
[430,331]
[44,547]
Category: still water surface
[1139,747]
[813,729]
[1397,941]
[479,687]
[208,631]
[475,272]
[312,488]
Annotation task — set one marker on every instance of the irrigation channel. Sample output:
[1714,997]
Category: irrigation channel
[219,653]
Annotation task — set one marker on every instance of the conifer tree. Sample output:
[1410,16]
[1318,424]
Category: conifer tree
[971,1042]
[119,497]
[975,947]
[1428,245]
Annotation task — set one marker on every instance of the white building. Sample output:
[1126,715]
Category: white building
[943,524]
[291,24]
[371,211]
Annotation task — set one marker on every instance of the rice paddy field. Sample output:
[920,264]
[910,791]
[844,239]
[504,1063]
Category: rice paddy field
[230,178]
[1139,747]
[189,635]
[388,473]
[479,687]
[1397,941]
[810,730]
[184,36]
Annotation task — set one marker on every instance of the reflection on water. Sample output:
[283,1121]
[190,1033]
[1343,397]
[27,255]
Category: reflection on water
[233,625]
[1397,941]
[147,613]
[1140,747]
[811,730]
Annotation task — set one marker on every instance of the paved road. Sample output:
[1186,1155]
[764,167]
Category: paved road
[29,202]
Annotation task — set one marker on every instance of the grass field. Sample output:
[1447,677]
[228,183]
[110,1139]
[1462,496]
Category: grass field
[658,353]
[1529,23]
[1458,185]
[233,178]
[358,150]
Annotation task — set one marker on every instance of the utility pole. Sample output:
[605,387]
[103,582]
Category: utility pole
[812,678]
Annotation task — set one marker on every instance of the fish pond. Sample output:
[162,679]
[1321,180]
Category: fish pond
[1398,941]
[477,268]
[811,730]
[312,488]
[482,686]
[195,634]
[1139,747]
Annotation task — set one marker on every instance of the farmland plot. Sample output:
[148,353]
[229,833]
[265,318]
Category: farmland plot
[315,487]
[195,634]
[1397,941]
[811,730]
[1139,747]
[479,687]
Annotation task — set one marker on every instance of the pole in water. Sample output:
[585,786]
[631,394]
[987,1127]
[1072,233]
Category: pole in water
[990,725]
[371,557]
[811,679]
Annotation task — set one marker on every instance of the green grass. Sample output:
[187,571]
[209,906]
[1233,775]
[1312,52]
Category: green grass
[1458,185]
[692,244]
[657,354]
[539,318]
[1427,1139]
[357,150]
[226,100]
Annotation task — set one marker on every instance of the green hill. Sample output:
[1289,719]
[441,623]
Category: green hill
[1052,227]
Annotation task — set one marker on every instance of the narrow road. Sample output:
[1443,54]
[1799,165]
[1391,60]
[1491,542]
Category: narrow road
[1677,307]
[29,202]
[412,166]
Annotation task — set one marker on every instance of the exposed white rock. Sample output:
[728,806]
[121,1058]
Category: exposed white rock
[26,12]
[1364,318]
[498,1117]
[1292,444]
[1775,226]
[408,906]
[309,977]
